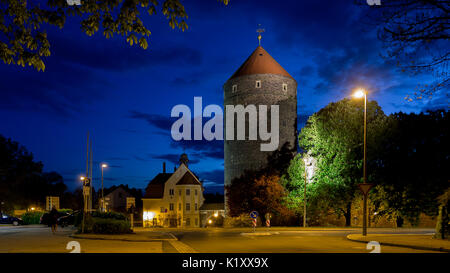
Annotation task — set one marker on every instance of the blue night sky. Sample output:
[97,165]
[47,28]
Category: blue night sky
[123,94]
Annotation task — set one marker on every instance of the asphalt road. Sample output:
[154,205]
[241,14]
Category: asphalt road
[38,239]
[295,240]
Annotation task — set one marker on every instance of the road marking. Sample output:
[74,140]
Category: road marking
[182,247]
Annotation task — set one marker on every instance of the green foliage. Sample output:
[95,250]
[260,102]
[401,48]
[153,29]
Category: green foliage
[443,222]
[242,220]
[22,181]
[22,23]
[105,226]
[412,172]
[333,137]
[32,217]
[109,215]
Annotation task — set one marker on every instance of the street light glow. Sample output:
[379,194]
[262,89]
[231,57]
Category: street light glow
[359,93]
[104,166]
[82,178]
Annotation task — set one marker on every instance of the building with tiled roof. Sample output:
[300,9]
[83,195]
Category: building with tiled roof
[173,199]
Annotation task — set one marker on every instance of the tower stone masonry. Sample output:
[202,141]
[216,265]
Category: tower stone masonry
[259,81]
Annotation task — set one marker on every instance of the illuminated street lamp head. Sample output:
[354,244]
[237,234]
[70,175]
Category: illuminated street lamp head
[104,166]
[82,178]
[359,93]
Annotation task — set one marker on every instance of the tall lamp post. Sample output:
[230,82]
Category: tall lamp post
[364,187]
[304,195]
[103,198]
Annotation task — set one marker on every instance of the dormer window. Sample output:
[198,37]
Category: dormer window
[234,88]
[285,87]
[258,84]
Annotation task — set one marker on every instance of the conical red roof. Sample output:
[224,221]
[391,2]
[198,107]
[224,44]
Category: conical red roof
[260,62]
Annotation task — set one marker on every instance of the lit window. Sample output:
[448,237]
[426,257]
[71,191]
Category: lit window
[258,84]
[234,88]
[188,206]
[284,87]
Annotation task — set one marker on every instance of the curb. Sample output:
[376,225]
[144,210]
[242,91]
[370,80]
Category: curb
[125,240]
[440,249]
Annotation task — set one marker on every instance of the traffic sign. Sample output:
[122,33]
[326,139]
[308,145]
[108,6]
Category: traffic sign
[268,216]
[365,188]
[254,214]
[268,222]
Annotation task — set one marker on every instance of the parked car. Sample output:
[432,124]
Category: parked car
[67,220]
[45,217]
[6,219]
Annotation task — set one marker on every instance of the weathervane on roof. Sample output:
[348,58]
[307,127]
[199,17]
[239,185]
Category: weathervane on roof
[260,30]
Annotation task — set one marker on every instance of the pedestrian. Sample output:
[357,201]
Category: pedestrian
[53,219]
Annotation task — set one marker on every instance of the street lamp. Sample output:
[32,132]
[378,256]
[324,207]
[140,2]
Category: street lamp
[103,198]
[365,187]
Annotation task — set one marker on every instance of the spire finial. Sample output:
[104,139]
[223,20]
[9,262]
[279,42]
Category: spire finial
[259,31]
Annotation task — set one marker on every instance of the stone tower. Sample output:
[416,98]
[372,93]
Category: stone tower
[260,81]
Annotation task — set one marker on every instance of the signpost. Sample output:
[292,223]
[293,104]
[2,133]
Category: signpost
[365,188]
[254,215]
[268,217]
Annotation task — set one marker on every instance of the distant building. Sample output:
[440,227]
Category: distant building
[116,199]
[173,199]
[51,201]
[211,211]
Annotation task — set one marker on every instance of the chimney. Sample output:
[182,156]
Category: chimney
[164,167]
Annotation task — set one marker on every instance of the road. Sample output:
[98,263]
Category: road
[38,239]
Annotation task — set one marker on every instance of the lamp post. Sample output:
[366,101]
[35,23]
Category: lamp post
[103,198]
[365,187]
[304,195]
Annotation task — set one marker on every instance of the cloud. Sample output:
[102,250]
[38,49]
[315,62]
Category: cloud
[158,121]
[55,91]
[175,158]
[115,55]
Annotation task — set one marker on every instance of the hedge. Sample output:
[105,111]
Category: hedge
[32,217]
[105,226]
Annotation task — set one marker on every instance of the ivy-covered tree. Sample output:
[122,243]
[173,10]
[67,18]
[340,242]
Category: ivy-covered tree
[23,38]
[333,137]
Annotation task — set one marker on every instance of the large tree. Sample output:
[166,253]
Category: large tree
[23,39]
[415,35]
[22,182]
[413,169]
[333,137]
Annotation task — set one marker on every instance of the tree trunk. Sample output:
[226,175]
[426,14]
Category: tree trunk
[348,215]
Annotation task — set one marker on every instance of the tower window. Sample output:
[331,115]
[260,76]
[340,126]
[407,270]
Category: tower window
[258,84]
[284,87]
[234,88]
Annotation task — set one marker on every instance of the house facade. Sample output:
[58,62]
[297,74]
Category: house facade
[173,199]
[116,199]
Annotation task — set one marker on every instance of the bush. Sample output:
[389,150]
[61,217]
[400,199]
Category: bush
[109,215]
[32,217]
[105,226]
[63,211]
[242,220]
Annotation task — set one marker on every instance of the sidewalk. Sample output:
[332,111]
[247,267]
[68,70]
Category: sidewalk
[414,241]
[139,235]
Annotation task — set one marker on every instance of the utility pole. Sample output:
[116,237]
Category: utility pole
[304,200]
